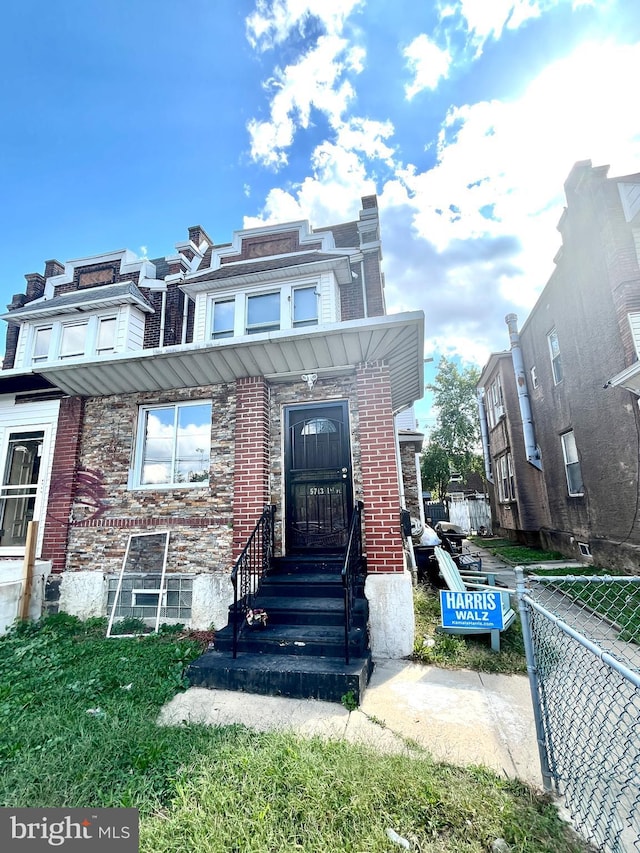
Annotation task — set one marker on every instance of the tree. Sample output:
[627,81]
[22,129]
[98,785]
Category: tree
[457,430]
[435,470]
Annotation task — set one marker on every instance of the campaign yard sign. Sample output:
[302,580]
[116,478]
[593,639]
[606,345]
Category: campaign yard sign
[472,609]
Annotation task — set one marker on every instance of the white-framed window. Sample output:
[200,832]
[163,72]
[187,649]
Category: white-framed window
[634,325]
[572,464]
[20,481]
[305,306]
[554,355]
[506,481]
[64,339]
[263,313]
[496,402]
[106,339]
[73,340]
[223,321]
[173,446]
[289,306]
[534,377]
[41,343]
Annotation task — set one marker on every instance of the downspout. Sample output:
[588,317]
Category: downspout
[364,290]
[484,434]
[185,315]
[532,451]
[163,318]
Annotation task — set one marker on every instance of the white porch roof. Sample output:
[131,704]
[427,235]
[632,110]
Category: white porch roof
[324,350]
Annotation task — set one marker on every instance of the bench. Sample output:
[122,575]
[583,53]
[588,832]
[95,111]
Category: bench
[459,583]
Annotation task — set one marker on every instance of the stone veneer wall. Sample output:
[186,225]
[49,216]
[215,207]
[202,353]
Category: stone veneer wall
[105,511]
[410,477]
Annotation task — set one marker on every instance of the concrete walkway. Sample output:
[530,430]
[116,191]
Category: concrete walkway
[458,716]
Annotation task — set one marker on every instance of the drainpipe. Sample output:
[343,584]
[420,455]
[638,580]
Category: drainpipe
[484,433]
[532,450]
[163,318]
[364,289]
[185,314]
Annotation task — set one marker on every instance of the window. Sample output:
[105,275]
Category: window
[263,313]
[572,464]
[223,318]
[41,344]
[496,402]
[173,445]
[73,340]
[554,353]
[19,486]
[534,378]
[506,482]
[106,341]
[305,306]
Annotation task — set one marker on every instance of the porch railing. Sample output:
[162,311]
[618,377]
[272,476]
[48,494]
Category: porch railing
[251,566]
[352,570]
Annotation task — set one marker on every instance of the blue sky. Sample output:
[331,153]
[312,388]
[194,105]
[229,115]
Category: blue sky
[126,121]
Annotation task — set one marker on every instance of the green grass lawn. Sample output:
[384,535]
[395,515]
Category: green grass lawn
[78,728]
[511,552]
[453,652]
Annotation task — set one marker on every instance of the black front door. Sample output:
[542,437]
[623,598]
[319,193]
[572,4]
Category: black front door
[319,492]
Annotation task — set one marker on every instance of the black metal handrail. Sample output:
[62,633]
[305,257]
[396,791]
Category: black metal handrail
[251,566]
[352,571]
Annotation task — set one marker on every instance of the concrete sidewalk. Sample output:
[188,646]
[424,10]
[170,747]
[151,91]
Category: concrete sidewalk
[458,716]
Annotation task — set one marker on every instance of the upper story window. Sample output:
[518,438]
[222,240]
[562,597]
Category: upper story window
[61,340]
[173,447]
[263,313]
[495,409]
[554,354]
[305,306]
[74,339]
[572,464]
[42,343]
[223,318]
[253,313]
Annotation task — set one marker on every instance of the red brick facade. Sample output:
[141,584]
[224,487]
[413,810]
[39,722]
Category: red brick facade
[379,469]
[251,471]
[63,476]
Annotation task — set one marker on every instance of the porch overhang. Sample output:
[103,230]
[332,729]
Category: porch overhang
[628,378]
[326,350]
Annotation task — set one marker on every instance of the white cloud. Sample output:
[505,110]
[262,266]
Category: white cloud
[274,21]
[316,81]
[428,64]
[485,19]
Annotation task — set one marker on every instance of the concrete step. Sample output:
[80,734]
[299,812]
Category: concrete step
[300,640]
[324,678]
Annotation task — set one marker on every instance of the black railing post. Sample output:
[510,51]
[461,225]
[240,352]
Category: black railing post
[351,570]
[251,566]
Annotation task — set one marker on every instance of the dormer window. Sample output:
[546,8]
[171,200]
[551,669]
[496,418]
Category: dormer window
[223,318]
[263,313]
[41,343]
[73,340]
[305,306]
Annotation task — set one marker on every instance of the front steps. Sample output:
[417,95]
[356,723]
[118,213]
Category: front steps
[300,653]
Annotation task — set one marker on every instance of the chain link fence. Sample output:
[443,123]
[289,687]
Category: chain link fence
[582,637]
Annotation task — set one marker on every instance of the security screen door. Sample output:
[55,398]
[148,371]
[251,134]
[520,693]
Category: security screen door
[318,477]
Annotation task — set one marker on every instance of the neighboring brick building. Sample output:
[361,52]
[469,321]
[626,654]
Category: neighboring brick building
[168,394]
[580,371]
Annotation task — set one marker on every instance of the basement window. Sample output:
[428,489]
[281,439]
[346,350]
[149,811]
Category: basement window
[585,551]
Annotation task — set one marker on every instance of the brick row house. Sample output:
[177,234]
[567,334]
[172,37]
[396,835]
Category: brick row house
[186,393]
[559,410]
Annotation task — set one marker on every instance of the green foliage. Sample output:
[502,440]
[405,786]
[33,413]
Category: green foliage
[457,429]
[435,470]
[78,728]
[349,701]
[516,555]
